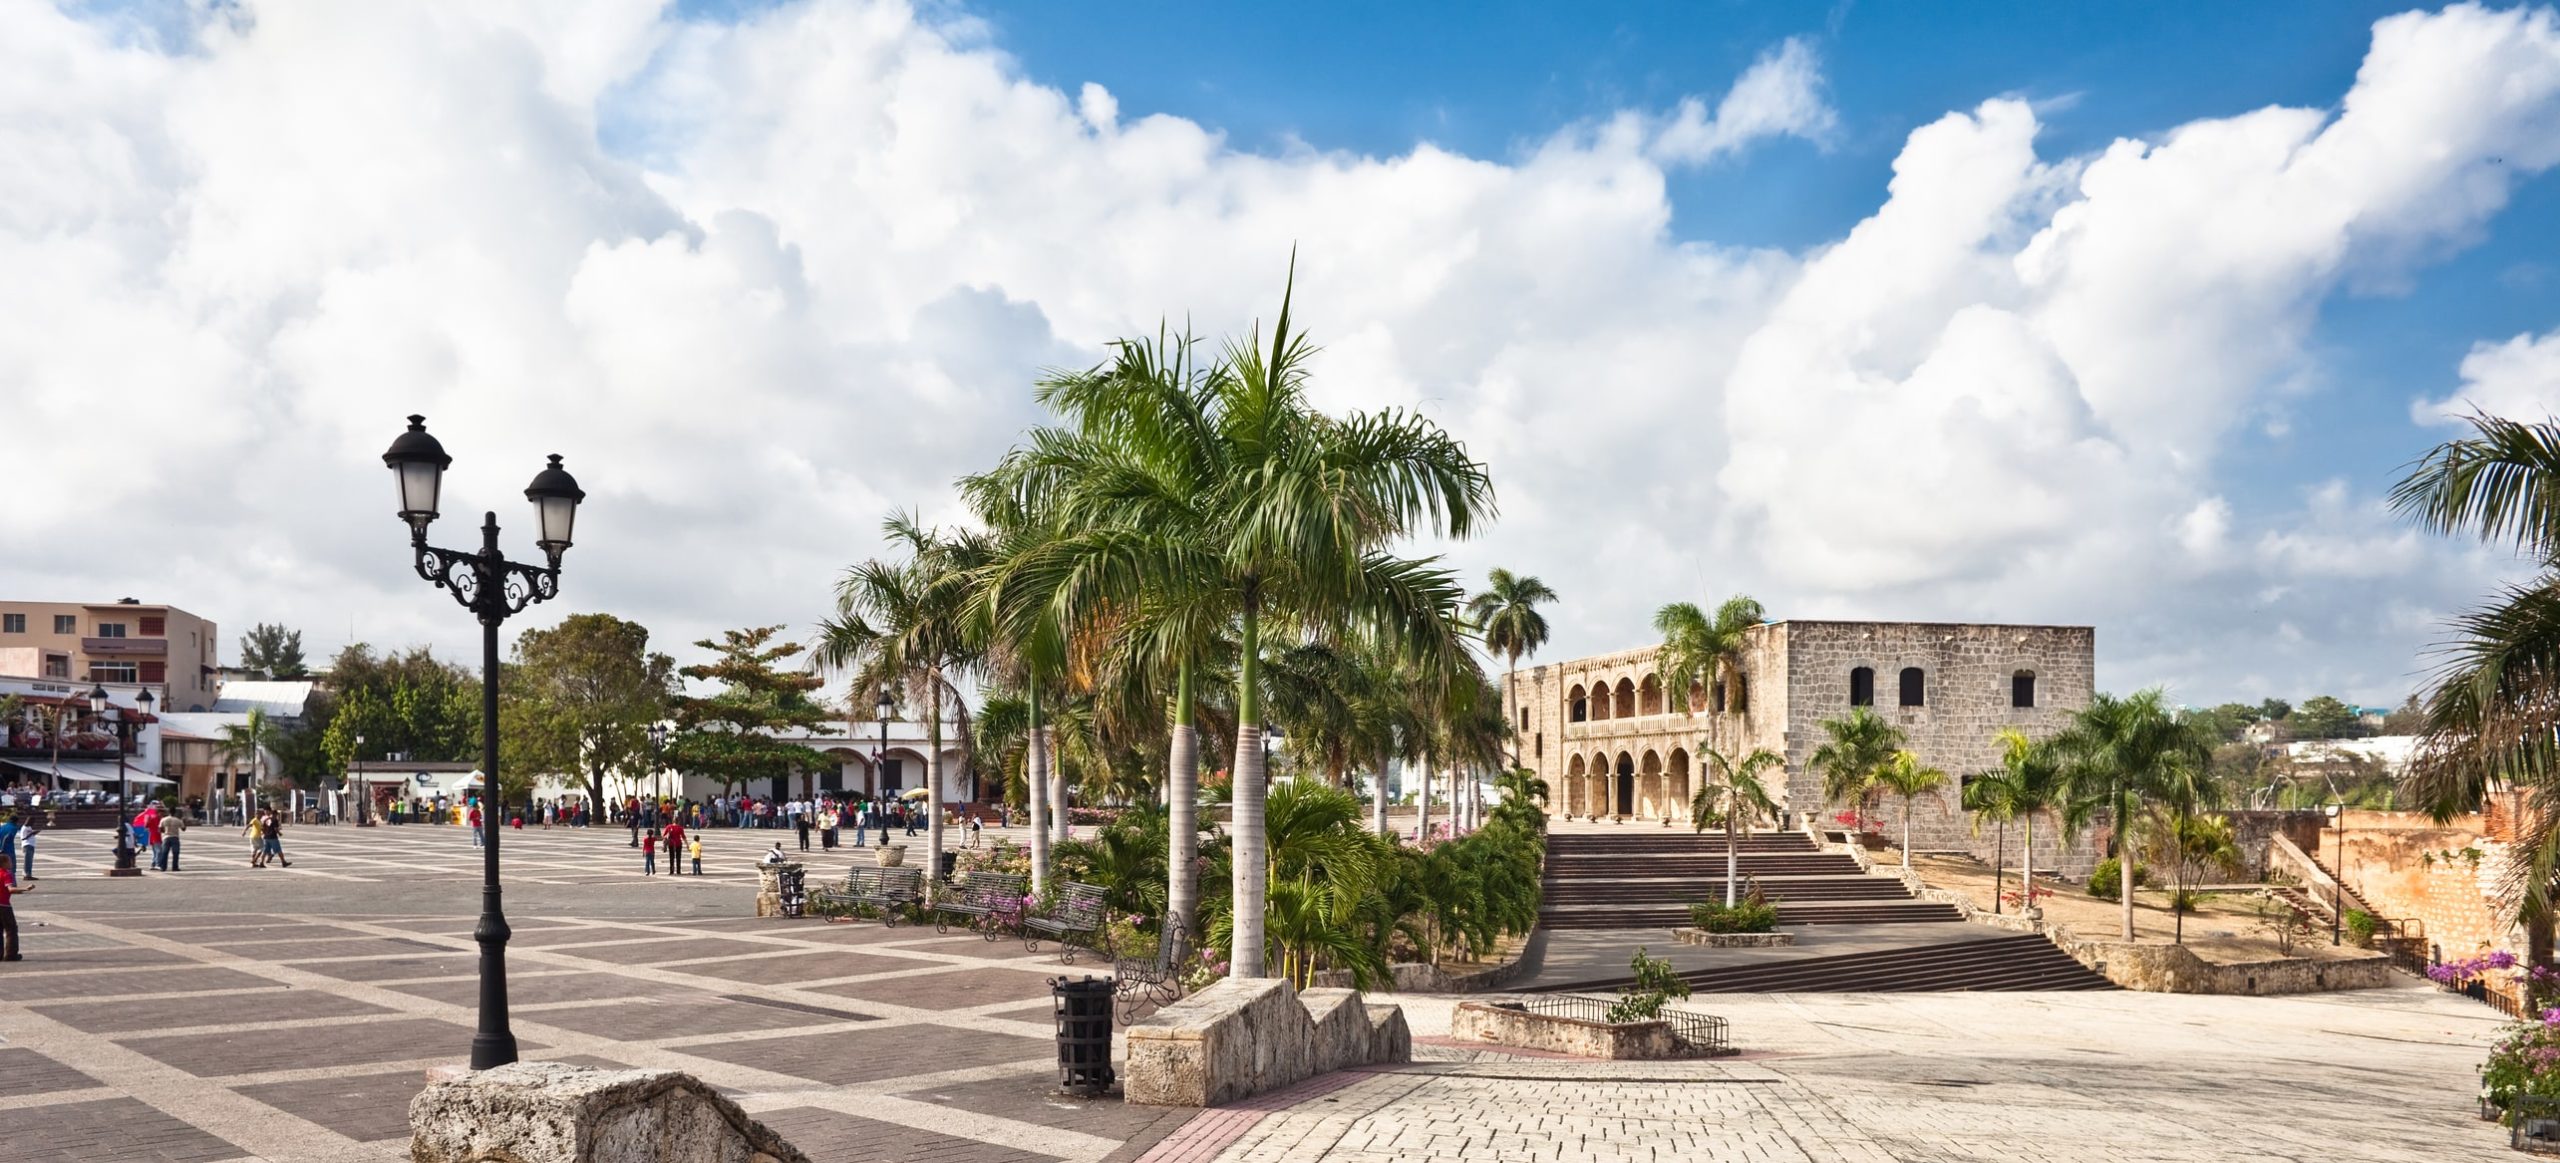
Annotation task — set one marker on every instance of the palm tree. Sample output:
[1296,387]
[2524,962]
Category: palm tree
[1506,613]
[2493,717]
[1228,494]
[1732,790]
[1993,796]
[1907,777]
[2029,782]
[1700,651]
[910,623]
[1857,746]
[250,740]
[2121,751]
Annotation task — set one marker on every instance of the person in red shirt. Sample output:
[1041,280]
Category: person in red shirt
[675,848]
[9,917]
[473,819]
[648,854]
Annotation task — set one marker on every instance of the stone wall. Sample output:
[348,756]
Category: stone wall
[2387,864]
[551,1112]
[2256,830]
[2176,968]
[1510,1025]
[1240,1038]
[1794,675]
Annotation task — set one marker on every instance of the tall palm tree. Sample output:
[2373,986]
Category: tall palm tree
[2122,752]
[1506,613]
[2493,717]
[2030,782]
[1732,790]
[251,741]
[1907,777]
[911,623]
[1230,492]
[1993,796]
[1855,747]
[1699,650]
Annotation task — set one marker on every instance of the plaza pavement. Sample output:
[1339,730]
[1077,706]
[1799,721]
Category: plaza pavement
[288,1014]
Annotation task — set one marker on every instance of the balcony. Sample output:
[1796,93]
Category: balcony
[125,647]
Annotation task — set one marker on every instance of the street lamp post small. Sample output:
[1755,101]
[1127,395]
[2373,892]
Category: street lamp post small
[884,706]
[492,588]
[124,865]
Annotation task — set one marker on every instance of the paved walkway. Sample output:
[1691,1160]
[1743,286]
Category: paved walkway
[288,1014]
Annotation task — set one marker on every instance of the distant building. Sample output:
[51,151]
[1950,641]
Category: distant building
[281,699]
[2391,751]
[124,641]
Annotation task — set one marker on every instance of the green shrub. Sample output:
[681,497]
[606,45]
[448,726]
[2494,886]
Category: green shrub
[2103,883]
[2361,927]
[1748,916]
[1655,986]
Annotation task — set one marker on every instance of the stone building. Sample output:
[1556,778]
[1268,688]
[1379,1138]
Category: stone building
[1603,733]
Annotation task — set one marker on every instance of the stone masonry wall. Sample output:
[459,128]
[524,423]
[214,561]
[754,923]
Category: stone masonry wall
[2386,865]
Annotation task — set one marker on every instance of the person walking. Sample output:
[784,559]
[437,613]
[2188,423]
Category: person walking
[649,854]
[9,917]
[173,827]
[473,818]
[27,847]
[695,851]
[800,821]
[631,818]
[10,831]
[255,830]
[675,847]
[911,814]
[974,828]
[275,839]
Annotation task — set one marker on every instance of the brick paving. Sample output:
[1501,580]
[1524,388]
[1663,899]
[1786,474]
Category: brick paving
[227,1013]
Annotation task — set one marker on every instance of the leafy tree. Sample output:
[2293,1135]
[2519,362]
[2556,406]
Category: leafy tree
[1856,747]
[2274,710]
[2408,718]
[271,651]
[1701,651]
[1907,777]
[2325,718]
[2029,782]
[401,704]
[581,697]
[1733,793]
[2124,752]
[729,735]
[1506,613]
[249,742]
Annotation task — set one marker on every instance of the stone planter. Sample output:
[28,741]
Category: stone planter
[1579,1026]
[1732,940]
[890,855]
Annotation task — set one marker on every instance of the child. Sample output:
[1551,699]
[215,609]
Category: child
[696,851]
[648,854]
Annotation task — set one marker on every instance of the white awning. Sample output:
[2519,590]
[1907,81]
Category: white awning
[105,773]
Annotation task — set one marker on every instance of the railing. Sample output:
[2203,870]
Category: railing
[1703,1034]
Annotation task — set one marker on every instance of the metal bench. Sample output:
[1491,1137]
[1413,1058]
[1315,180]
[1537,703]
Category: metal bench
[891,889]
[1151,983]
[1075,921]
[990,902]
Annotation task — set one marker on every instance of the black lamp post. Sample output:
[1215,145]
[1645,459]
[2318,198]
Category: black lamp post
[657,756]
[124,865]
[880,761]
[492,588]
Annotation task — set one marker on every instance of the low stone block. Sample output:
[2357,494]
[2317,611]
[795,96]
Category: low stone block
[1510,1024]
[1732,940]
[1237,1039]
[1390,1039]
[550,1112]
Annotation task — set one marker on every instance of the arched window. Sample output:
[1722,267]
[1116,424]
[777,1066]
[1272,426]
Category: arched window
[2022,689]
[1649,696]
[1915,687]
[1581,707]
[1862,687]
[1626,708]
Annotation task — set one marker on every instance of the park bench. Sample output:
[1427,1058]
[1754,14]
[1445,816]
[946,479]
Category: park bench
[1151,983]
[891,889]
[991,902]
[1076,920]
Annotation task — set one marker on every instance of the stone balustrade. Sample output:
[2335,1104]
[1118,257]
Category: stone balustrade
[1240,1038]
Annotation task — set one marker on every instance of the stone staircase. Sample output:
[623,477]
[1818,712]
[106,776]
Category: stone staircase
[1647,880]
[2002,964]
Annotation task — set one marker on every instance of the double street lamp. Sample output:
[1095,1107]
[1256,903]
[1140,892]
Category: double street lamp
[125,725]
[657,758]
[492,588]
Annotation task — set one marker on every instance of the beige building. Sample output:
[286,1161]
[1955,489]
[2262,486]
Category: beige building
[124,641]
[1603,734]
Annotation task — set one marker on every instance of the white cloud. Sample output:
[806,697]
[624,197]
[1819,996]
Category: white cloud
[2518,379]
[763,281]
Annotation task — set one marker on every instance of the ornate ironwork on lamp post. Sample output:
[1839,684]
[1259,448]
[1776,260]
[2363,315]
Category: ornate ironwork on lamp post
[492,588]
[98,705]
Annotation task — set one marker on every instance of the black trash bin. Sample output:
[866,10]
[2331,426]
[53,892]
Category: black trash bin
[950,864]
[795,891]
[1084,1034]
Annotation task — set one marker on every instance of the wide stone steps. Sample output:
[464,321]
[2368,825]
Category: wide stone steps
[2015,963]
[1905,911]
[1584,867]
[1684,891]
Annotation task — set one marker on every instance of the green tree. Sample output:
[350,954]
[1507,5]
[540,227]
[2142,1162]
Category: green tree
[2274,710]
[408,704]
[1733,793]
[2325,718]
[271,651]
[1904,775]
[2124,752]
[1704,652]
[1230,497]
[1506,613]
[730,734]
[249,742]
[2030,782]
[581,697]
[1855,747]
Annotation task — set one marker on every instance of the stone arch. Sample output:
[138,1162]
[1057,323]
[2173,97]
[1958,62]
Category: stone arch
[1915,687]
[1593,706]
[2022,689]
[1649,696]
[1623,799]
[1677,783]
[1626,708]
[1862,686]
[851,772]
[1573,778]
[1649,790]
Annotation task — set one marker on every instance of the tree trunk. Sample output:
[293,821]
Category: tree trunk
[1386,774]
[1061,826]
[1422,805]
[933,785]
[2124,861]
[1252,841]
[1036,767]
[1182,795]
[2027,868]
[1999,864]
[1732,859]
[2178,880]
[1906,833]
